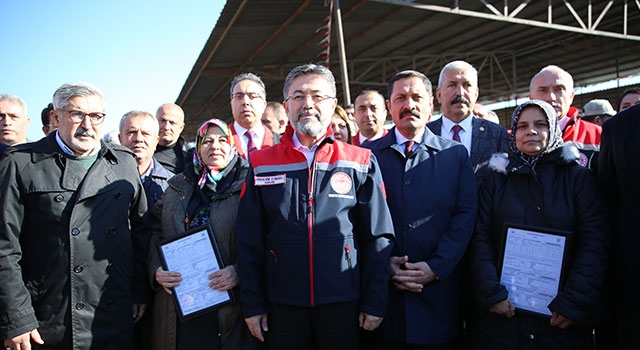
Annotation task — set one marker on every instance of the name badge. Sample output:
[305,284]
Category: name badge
[270,180]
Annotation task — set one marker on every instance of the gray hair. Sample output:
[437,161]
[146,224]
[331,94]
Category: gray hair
[67,91]
[132,114]
[14,99]
[409,74]
[307,69]
[553,68]
[248,76]
[462,65]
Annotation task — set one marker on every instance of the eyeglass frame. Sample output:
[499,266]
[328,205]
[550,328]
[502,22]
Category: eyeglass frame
[91,116]
[301,98]
[251,95]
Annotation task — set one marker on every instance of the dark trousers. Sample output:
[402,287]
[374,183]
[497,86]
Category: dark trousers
[331,326]
[386,345]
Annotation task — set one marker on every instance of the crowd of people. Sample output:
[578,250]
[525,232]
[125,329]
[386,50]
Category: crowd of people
[334,230]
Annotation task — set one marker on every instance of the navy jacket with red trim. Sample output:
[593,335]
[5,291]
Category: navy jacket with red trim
[306,243]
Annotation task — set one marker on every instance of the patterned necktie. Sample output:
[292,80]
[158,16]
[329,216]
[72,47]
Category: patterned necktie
[456,132]
[408,147]
[251,146]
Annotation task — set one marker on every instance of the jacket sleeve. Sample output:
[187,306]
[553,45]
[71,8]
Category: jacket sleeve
[251,235]
[581,293]
[374,229]
[453,243]
[153,220]
[16,313]
[483,249]
[140,234]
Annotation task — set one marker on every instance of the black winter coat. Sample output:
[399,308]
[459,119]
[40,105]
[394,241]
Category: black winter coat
[72,245]
[566,198]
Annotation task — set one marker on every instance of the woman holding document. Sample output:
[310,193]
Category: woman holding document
[541,289]
[208,191]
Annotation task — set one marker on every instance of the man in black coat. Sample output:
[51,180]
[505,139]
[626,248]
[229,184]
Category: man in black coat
[618,169]
[72,243]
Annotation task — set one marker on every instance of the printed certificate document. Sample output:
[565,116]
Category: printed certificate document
[194,255]
[532,266]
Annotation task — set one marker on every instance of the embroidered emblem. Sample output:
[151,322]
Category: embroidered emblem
[583,160]
[270,180]
[341,182]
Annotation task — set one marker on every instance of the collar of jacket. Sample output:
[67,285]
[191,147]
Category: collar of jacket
[429,140]
[47,147]
[566,155]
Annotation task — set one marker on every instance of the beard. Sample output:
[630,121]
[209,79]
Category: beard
[312,126]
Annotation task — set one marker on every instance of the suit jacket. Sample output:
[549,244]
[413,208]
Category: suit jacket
[269,139]
[432,197]
[618,168]
[487,138]
[356,139]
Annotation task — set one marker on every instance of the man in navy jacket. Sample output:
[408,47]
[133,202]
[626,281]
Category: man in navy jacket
[431,192]
[314,230]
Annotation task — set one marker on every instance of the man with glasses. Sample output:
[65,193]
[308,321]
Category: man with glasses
[315,239]
[248,101]
[13,120]
[72,246]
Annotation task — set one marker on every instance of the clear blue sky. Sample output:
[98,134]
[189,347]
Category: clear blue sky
[139,53]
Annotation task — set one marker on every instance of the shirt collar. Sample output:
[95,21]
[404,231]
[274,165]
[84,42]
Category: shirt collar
[466,124]
[400,139]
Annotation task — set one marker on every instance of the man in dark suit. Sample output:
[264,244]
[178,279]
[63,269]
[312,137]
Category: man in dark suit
[457,93]
[618,168]
[432,197]
[248,101]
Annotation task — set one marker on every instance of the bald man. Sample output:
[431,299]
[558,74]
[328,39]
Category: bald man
[170,151]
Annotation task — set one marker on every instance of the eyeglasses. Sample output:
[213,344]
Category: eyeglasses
[250,95]
[300,98]
[78,117]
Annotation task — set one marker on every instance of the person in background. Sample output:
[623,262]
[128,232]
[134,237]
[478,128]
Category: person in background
[170,151]
[539,184]
[370,115]
[431,193]
[13,120]
[554,85]
[45,116]
[207,192]
[73,245]
[618,169]
[597,111]
[350,110]
[340,125]
[315,234]
[629,98]
[139,132]
[483,112]
[275,117]
[248,102]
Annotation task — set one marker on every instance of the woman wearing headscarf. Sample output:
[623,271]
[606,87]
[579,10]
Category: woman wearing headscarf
[207,191]
[539,183]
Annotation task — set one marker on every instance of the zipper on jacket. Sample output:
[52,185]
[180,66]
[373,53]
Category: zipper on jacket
[347,251]
[312,173]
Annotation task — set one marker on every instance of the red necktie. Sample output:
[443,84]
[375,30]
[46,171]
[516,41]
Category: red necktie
[456,132]
[251,146]
[408,147]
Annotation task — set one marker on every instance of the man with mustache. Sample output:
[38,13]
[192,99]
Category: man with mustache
[431,193]
[315,234]
[457,93]
[72,243]
[554,85]
[248,101]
